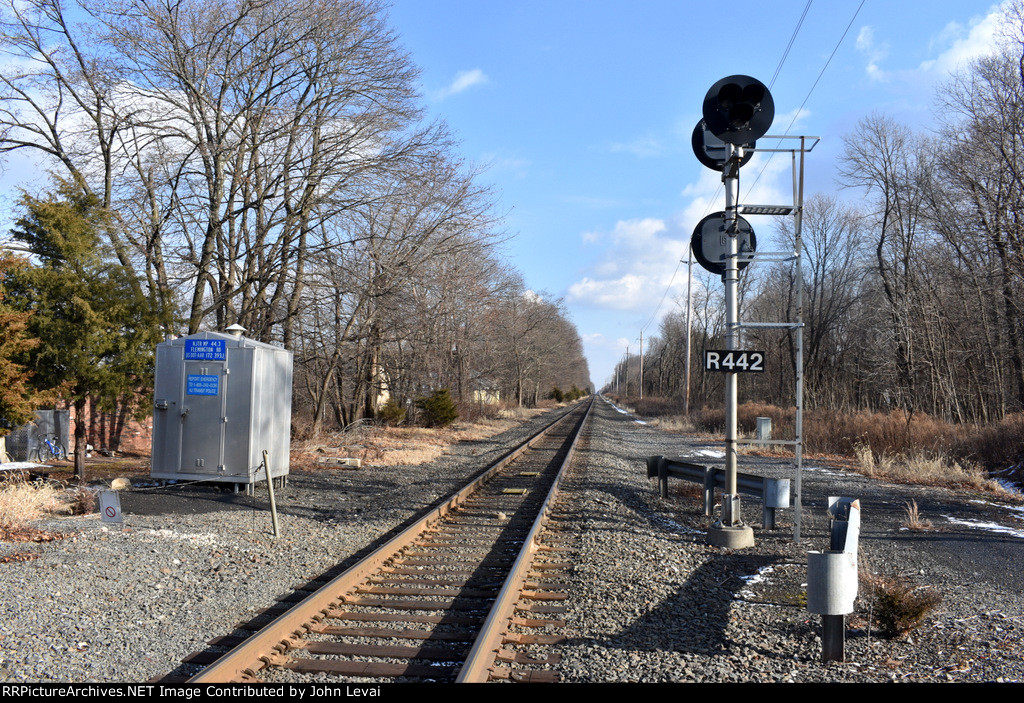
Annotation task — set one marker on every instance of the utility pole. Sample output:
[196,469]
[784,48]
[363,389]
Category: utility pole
[689,331]
[641,364]
[626,389]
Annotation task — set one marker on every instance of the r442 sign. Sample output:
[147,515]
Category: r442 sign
[734,361]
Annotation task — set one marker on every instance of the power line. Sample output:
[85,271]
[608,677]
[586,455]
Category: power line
[808,96]
[789,46]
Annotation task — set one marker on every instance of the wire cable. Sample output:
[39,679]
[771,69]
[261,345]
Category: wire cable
[809,92]
[789,46]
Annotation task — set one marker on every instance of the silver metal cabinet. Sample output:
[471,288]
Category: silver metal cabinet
[220,400]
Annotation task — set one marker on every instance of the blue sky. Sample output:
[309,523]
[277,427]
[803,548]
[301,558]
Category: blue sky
[582,113]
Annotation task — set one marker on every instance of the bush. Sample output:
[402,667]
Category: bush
[556,395]
[899,606]
[438,409]
[657,407]
[574,393]
[475,411]
[392,413]
[84,501]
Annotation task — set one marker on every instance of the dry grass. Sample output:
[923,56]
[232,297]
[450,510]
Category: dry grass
[936,470]
[84,501]
[22,502]
[686,489]
[913,521]
[677,423]
[398,446]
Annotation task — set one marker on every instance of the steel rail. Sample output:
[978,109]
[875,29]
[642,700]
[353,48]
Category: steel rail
[268,645]
[482,655]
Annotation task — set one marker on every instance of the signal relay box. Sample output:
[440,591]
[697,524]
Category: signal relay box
[219,401]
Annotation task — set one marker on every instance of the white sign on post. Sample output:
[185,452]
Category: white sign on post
[110,506]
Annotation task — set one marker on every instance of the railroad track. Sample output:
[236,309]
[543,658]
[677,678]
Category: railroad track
[470,592]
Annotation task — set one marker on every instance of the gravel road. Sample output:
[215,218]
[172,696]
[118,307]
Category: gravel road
[651,602]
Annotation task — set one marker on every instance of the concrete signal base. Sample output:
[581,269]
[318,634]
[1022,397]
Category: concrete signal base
[730,537]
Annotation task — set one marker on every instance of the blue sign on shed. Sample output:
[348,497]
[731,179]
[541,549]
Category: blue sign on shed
[199,384]
[205,350]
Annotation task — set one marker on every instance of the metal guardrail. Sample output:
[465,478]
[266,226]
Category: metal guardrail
[773,492]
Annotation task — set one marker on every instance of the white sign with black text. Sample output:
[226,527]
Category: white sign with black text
[734,361]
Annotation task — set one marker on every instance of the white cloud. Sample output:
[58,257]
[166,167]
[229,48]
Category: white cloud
[964,44]
[463,81]
[759,182]
[785,123]
[955,45]
[594,203]
[874,52]
[640,258]
[622,293]
[517,166]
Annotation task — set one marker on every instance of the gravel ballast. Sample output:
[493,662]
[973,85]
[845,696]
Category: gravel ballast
[649,600]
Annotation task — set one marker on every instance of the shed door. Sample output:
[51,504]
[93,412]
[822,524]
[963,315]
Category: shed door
[202,417]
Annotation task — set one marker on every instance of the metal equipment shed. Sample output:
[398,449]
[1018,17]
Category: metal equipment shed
[220,400]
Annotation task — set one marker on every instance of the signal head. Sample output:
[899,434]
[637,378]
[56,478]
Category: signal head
[711,151]
[739,109]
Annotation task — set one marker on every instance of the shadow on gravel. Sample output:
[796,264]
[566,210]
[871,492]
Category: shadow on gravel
[694,618]
[308,495]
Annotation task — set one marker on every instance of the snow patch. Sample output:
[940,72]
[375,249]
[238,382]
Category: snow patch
[15,465]
[823,470]
[990,526]
[761,576]
[674,526]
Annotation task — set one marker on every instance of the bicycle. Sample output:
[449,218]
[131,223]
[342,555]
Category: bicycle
[48,450]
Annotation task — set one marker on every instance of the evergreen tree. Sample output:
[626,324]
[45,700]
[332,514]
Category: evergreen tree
[438,409]
[97,333]
[17,397]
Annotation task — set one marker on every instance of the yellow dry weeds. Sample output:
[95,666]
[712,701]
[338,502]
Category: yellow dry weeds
[22,502]
[398,446]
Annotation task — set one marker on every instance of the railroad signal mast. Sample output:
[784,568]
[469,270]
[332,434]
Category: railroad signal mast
[738,110]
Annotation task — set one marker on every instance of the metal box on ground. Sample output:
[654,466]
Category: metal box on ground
[220,400]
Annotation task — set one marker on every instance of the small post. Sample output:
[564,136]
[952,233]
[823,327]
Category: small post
[832,577]
[663,476]
[273,502]
[709,491]
[833,638]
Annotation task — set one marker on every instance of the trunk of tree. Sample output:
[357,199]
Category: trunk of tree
[81,438]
